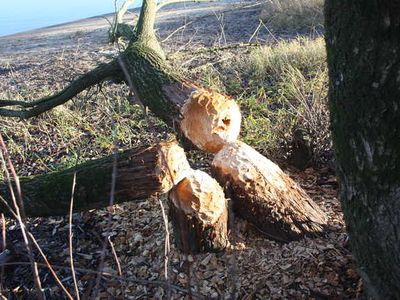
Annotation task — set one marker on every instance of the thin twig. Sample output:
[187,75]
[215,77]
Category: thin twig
[3,247]
[70,235]
[167,248]
[20,214]
[35,243]
[112,276]
[255,31]
[115,256]
[269,31]
[111,203]
[175,31]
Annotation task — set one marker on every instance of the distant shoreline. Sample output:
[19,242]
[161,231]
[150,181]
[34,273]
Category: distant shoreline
[39,25]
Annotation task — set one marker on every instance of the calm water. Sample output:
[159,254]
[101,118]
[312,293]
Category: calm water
[22,15]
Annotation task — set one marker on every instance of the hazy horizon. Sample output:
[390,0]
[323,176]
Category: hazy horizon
[24,15]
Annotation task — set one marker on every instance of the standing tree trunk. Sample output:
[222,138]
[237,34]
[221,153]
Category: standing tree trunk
[363,48]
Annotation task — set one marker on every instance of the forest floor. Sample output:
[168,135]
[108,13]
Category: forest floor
[253,267]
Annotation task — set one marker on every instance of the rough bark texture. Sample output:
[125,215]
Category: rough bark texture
[141,173]
[145,27]
[363,47]
[199,214]
[265,196]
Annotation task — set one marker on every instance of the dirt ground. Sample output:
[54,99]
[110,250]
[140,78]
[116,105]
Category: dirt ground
[253,267]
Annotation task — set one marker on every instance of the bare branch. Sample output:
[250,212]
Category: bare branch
[20,214]
[71,257]
[35,108]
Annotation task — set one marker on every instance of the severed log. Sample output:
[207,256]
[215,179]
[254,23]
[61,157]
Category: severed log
[141,173]
[206,118]
[265,196]
[181,104]
[210,120]
[199,214]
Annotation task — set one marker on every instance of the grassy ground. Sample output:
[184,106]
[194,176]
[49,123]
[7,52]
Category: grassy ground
[294,15]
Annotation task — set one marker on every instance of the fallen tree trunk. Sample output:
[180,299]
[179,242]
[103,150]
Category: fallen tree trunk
[199,214]
[141,173]
[265,196]
[206,118]
[143,67]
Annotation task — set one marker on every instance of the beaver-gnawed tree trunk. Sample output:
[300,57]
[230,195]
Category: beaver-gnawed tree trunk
[208,119]
[141,173]
[363,47]
[142,66]
[199,214]
[265,196]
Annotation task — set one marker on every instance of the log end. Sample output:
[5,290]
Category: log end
[210,120]
[199,214]
[264,195]
[173,165]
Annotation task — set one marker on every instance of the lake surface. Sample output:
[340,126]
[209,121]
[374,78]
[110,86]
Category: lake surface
[23,15]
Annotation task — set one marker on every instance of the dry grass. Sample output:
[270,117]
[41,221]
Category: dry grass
[293,15]
[282,90]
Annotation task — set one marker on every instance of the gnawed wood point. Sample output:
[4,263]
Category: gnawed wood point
[172,165]
[210,120]
[265,196]
[199,215]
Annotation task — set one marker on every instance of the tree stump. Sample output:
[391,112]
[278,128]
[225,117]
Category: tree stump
[199,214]
[265,196]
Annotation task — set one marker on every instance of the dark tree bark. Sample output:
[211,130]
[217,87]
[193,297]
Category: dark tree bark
[363,48]
[141,173]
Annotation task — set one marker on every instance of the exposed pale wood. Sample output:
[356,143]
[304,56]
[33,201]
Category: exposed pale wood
[141,173]
[198,211]
[265,196]
[210,120]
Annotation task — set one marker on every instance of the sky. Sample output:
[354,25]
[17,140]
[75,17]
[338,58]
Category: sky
[22,15]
